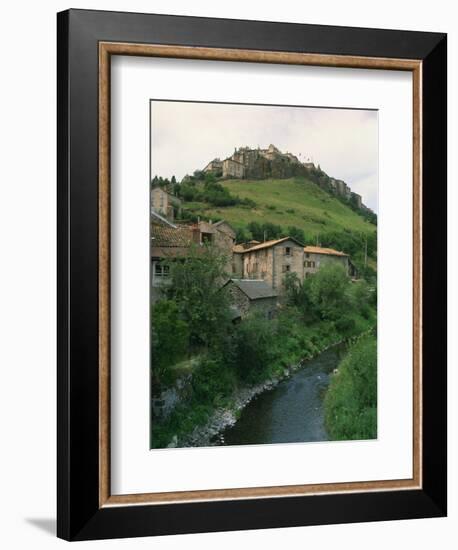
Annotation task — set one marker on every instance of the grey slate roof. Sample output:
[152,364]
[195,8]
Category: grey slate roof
[254,288]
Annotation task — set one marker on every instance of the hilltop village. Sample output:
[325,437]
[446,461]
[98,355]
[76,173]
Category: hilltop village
[256,269]
[247,163]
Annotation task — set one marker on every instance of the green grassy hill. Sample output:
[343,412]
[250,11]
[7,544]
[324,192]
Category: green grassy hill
[285,202]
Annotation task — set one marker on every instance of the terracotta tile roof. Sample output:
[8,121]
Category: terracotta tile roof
[164,236]
[320,250]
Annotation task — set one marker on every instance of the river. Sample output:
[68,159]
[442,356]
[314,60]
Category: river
[291,412]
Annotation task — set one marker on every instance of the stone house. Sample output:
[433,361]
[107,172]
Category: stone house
[215,166]
[221,235]
[233,169]
[270,261]
[164,203]
[173,241]
[168,242]
[251,295]
[315,257]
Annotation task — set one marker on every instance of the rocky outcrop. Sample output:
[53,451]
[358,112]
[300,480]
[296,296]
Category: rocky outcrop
[247,163]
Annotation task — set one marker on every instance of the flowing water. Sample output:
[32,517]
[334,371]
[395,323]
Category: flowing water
[291,412]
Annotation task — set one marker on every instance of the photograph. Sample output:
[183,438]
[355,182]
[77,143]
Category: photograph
[263,247]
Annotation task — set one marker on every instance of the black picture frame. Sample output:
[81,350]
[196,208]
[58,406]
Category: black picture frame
[80,516]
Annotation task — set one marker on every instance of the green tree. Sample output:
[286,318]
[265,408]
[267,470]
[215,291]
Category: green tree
[292,286]
[195,286]
[328,291]
[256,231]
[251,347]
[170,337]
[241,236]
[360,296]
[296,233]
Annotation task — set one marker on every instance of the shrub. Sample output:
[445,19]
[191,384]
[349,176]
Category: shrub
[351,400]
[328,291]
[170,339]
[195,286]
[253,347]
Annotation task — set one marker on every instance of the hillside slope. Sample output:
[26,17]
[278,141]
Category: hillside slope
[285,202]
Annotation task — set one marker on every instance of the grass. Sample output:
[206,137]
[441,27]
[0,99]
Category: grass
[286,202]
[351,400]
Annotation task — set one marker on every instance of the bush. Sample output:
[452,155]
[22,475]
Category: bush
[211,381]
[345,325]
[351,400]
[170,338]
[252,347]
[195,286]
[328,291]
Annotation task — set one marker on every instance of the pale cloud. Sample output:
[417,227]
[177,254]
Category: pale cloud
[344,142]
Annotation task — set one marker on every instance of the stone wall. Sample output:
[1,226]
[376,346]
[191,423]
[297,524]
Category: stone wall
[237,265]
[284,263]
[164,403]
[164,203]
[313,262]
[257,264]
[239,299]
[273,263]
[265,306]
[233,169]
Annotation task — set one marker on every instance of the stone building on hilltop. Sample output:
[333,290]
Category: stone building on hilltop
[256,164]
[248,163]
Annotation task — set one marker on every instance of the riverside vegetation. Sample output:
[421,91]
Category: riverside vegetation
[351,400]
[193,336]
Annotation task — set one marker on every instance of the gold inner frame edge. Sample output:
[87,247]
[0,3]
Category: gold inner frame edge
[106,50]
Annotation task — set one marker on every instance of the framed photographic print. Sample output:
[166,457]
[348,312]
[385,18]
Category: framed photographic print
[252,269]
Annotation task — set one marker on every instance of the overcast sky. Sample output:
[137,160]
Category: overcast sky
[344,142]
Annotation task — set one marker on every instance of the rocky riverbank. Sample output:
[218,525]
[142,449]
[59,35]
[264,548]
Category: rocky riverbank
[223,418]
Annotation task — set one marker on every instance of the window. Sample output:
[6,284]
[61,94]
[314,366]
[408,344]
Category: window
[286,268]
[161,270]
[287,251]
[307,255]
[207,237]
